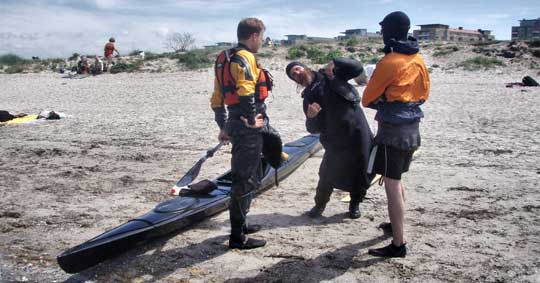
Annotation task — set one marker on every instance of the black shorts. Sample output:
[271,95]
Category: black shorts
[389,161]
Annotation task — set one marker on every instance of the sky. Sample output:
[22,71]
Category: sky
[58,28]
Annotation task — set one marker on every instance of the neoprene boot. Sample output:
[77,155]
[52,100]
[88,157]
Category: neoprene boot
[354,209]
[246,244]
[316,211]
[389,251]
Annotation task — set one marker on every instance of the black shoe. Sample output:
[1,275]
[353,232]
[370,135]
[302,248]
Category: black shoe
[250,229]
[354,210]
[389,251]
[316,211]
[248,243]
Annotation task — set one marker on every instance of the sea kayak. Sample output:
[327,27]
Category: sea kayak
[178,213]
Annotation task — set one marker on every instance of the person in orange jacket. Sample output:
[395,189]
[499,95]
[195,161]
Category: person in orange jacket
[397,88]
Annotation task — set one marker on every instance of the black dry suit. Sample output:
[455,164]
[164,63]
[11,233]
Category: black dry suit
[345,133]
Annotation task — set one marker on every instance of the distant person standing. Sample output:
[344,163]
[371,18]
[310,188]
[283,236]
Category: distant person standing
[109,51]
[399,85]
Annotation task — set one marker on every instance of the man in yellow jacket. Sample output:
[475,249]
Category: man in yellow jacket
[397,88]
[238,86]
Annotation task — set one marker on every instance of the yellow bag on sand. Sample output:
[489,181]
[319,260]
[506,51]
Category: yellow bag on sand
[24,119]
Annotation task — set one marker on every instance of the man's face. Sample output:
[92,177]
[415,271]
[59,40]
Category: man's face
[257,41]
[300,75]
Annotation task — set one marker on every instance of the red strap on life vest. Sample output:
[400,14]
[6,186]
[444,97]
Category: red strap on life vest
[227,83]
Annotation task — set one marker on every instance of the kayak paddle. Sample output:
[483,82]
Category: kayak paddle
[194,171]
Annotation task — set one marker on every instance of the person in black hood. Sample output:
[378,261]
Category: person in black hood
[397,88]
[331,106]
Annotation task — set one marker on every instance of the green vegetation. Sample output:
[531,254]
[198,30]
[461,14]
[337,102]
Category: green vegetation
[373,60]
[352,41]
[14,69]
[295,53]
[15,63]
[480,62]
[12,60]
[333,53]
[485,43]
[534,43]
[149,56]
[74,56]
[318,56]
[265,54]
[443,51]
[195,59]
[369,59]
[314,53]
[126,67]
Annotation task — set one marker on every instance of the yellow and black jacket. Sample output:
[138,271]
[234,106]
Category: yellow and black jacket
[240,83]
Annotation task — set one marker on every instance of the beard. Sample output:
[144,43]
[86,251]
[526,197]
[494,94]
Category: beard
[306,78]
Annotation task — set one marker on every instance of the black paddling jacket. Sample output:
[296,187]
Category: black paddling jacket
[341,121]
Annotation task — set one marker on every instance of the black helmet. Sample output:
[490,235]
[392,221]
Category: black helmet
[111,39]
[395,25]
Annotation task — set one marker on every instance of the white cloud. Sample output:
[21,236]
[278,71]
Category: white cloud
[106,4]
[497,16]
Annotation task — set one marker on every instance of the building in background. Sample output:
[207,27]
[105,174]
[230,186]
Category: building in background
[360,33]
[293,39]
[527,29]
[440,32]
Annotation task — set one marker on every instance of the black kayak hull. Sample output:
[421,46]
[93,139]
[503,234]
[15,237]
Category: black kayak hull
[177,213]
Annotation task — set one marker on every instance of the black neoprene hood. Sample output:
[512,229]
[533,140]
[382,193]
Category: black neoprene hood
[395,25]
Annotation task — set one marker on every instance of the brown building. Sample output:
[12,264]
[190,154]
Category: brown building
[528,29]
[445,33]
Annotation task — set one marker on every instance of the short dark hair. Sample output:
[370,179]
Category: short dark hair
[249,26]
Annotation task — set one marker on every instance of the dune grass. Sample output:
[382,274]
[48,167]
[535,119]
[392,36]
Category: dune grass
[480,62]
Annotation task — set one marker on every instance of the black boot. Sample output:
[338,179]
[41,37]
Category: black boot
[246,244]
[251,229]
[354,209]
[389,251]
[316,211]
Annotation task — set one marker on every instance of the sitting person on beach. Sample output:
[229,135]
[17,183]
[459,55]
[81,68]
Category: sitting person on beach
[83,67]
[331,106]
[97,68]
[6,116]
[399,85]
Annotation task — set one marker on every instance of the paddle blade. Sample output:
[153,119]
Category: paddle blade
[191,174]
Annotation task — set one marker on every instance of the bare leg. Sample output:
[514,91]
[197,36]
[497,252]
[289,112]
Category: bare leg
[396,208]
[403,192]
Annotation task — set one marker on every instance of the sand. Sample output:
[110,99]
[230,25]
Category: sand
[472,209]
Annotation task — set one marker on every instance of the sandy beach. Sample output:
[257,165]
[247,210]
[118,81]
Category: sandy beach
[472,200]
